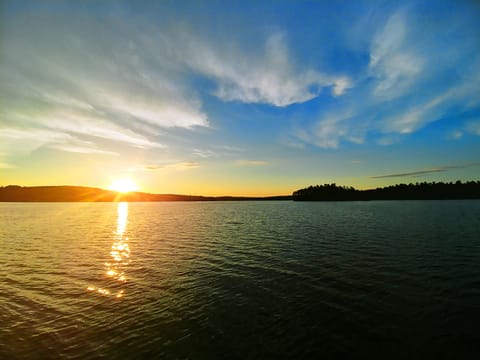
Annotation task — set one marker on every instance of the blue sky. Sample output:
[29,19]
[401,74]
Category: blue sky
[243,98]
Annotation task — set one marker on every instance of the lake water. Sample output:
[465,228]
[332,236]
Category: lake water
[239,280]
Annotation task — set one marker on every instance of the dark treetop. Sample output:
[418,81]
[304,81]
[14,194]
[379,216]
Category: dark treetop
[417,191]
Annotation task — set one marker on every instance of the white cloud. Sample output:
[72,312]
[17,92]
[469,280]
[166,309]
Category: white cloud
[84,147]
[88,125]
[340,85]
[204,153]
[162,106]
[269,78]
[393,62]
[82,78]
[418,73]
[328,133]
[416,117]
[78,78]
[334,127]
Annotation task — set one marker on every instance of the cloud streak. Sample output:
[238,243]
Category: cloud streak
[160,88]
[181,165]
[25,141]
[83,80]
[473,127]
[393,62]
[251,162]
[78,77]
[268,78]
[417,74]
[425,171]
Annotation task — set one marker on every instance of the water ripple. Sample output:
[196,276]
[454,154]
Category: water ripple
[239,279]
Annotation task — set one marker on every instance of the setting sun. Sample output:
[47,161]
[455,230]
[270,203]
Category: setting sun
[123,185]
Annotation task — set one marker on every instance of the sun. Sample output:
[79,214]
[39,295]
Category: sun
[123,185]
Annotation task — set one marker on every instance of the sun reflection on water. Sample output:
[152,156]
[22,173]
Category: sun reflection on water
[120,253]
[122,211]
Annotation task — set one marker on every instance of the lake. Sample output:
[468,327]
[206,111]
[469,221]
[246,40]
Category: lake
[239,280]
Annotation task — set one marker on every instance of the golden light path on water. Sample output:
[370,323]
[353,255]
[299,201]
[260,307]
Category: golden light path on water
[120,254]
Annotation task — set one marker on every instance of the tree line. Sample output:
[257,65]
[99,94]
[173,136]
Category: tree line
[417,191]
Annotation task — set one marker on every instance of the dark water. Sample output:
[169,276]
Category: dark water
[239,280]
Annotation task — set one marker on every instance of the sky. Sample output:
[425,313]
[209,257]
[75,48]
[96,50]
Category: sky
[239,97]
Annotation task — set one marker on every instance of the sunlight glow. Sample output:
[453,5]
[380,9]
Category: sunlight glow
[122,216]
[123,185]
[120,253]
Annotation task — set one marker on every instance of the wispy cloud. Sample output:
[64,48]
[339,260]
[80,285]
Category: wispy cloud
[294,144]
[473,127]
[204,153]
[81,149]
[393,62]
[104,84]
[389,139]
[228,148]
[82,79]
[95,126]
[425,171]
[217,151]
[182,165]
[251,162]
[412,173]
[455,135]
[417,74]
[332,128]
[411,119]
[24,141]
[269,78]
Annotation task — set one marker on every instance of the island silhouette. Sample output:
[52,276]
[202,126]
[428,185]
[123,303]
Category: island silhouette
[326,192]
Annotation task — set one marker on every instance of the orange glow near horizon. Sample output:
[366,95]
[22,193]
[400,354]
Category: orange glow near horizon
[123,185]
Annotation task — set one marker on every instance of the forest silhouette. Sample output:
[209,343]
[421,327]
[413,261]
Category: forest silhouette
[326,192]
[417,191]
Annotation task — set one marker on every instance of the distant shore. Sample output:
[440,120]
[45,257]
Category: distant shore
[15,193]
[326,192]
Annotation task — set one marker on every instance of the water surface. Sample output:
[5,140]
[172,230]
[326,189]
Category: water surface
[239,279]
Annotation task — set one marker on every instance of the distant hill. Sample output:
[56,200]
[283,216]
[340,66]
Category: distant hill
[326,192]
[417,191]
[14,193]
